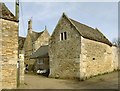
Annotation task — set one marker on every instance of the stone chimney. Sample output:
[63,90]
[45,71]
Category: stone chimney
[30,25]
[45,27]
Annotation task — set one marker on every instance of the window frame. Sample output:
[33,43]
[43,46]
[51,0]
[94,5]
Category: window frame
[63,36]
[40,61]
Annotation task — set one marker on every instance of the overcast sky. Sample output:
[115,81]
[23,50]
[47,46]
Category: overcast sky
[103,15]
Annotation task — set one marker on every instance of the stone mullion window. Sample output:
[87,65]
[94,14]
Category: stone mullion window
[63,36]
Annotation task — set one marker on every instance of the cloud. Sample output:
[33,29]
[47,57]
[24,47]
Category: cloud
[101,15]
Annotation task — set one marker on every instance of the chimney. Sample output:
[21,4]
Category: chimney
[30,25]
[45,27]
[17,10]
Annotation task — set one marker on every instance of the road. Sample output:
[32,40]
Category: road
[107,81]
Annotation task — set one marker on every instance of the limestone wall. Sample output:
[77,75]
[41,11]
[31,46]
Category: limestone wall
[0,55]
[42,40]
[9,53]
[96,58]
[28,46]
[28,50]
[119,58]
[115,53]
[22,68]
[64,54]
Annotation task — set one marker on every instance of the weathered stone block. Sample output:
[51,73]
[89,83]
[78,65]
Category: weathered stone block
[8,54]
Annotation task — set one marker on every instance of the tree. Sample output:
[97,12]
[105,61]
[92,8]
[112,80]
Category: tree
[116,42]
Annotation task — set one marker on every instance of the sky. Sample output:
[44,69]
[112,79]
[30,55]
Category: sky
[101,15]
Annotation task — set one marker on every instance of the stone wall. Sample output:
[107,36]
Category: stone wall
[115,53]
[119,58]
[0,55]
[96,58]
[9,53]
[28,50]
[28,46]
[22,67]
[64,54]
[42,40]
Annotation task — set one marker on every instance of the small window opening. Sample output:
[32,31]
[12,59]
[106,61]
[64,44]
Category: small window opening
[61,35]
[65,35]
[40,61]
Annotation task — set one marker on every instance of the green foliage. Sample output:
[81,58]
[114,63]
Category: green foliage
[116,42]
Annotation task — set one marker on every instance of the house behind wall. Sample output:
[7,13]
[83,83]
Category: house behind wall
[42,59]
[32,42]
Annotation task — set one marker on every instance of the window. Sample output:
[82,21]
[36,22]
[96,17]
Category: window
[63,36]
[40,61]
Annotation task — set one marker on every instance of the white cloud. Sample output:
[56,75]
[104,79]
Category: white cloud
[101,15]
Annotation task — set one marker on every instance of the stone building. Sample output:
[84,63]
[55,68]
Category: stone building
[42,60]
[8,48]
[79,51]
[32,42]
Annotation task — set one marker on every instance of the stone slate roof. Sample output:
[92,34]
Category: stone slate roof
[42,51]
[35,35]
[88,32]
[5,13]
[21,41]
